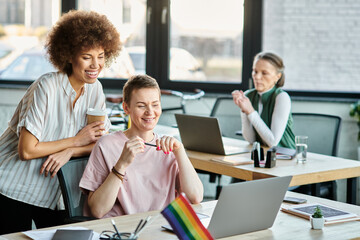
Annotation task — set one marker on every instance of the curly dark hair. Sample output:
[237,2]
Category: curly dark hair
[77,31]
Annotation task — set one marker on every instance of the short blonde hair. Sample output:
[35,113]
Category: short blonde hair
[138,82]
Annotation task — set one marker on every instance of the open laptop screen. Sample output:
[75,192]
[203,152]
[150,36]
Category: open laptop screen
[203,134]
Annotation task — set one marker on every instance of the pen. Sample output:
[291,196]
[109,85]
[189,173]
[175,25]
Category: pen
[142,227]
[117,232]
[138,226]
[136,229]
[149,144]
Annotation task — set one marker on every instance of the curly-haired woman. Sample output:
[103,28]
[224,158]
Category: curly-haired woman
[49,125]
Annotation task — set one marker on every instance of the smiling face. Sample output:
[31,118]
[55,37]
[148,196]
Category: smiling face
[264,75]
[144,109]
[86,66]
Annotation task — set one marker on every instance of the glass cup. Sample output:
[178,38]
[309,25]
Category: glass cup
[301,148]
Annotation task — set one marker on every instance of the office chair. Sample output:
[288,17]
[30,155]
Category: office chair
[69,177]
[228,115]
[176,105]
[323,131]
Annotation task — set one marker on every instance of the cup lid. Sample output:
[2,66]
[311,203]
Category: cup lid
[95,112]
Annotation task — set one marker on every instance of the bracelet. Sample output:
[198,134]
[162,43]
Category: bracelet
[119,175]
[114,169]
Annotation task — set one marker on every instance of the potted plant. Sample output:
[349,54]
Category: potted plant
[317,219]
[355,112]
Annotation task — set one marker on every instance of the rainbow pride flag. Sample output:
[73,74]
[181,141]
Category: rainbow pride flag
[184,221]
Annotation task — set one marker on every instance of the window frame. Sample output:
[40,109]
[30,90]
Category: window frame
[157,46]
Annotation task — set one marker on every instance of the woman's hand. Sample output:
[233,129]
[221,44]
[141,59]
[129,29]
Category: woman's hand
[168,144]
[55,161]
[190,183]
[132,147]
[90,133]
[102,200]
[242,102]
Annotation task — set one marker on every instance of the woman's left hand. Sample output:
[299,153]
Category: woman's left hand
[55,161]
[168,144]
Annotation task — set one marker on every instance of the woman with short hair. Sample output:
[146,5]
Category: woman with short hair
[137,170]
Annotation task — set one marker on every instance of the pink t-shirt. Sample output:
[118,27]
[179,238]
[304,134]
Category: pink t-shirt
[151,181]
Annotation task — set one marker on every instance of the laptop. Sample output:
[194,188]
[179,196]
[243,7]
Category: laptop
[248,206]
[203,134]
[245,207]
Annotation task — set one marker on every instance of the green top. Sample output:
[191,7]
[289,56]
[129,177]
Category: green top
[268,101]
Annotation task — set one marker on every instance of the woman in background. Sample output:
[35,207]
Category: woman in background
[266,110]
[49,125]
[124,175]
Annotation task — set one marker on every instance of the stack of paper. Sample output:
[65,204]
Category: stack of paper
[285,153]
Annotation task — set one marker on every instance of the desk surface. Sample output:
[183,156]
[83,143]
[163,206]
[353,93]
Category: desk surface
[286,226]
[318,168]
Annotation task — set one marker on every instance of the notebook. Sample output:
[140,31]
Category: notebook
[246,207]
[285,153]
[203,134]
[329,213]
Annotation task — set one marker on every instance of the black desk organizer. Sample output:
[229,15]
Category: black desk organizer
[270,157]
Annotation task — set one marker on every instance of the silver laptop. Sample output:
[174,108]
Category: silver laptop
[245,207]
[203,134]
[248,206]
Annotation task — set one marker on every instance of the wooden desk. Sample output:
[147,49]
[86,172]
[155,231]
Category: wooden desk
[318,168]
[286,226]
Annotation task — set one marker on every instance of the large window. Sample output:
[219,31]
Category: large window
[190,46]
[23,27]
[206,42]
[129,17]
[199,43]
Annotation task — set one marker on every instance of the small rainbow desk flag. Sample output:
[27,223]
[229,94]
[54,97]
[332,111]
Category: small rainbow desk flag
[184,221]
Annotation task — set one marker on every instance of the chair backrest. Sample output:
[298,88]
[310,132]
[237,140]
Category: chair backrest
[323,131]
[69,177]
[170,106]
[229,117]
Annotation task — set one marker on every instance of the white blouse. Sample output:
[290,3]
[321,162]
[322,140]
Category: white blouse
[46,112]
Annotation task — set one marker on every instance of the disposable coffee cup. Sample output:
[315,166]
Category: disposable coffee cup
[94,115]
